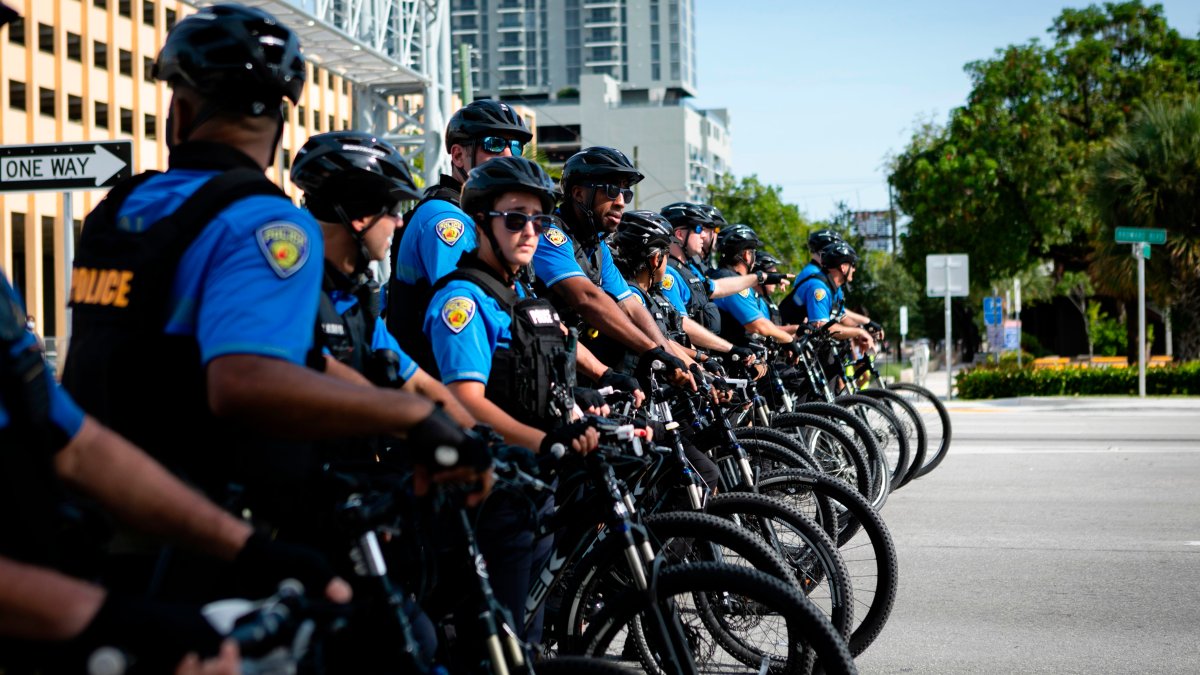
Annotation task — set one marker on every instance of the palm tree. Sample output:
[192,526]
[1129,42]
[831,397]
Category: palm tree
[1149,176]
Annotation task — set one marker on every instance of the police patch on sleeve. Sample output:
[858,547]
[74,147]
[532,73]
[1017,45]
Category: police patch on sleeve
[449,230]
[819,294]
[458,312]
[668,282]
[555,236]
[284,245]
[745,292]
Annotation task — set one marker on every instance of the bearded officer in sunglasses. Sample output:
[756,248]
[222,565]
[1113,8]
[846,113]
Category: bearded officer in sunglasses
[575,267]
[437,232]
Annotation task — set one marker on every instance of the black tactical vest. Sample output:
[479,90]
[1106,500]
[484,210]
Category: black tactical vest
[700,307]
[147,385]
[405,322]
[590,264]
[349,335]
[797,314]
[531,380]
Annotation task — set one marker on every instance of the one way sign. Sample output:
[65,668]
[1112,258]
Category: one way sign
[62,167]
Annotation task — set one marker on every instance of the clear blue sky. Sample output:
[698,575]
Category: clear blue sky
[820,91]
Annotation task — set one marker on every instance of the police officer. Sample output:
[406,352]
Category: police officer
[768,266]
[195,290]
[437,231]
[792,307]
[354,184]
[48,443]
[822,294]
[504,353]
[741,312]
[574,265]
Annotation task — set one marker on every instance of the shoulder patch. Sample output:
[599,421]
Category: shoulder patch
[819,294]
[458,312]
[449,230]
[745,292]
[555,236]
[668,281]
[640,298]
[284,245]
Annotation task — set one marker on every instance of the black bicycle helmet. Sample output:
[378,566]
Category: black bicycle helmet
[714,214]
[765,262]
[687,214]
[819,239]
[499,175]
[734,239]
[353,170]
[597,165]
[640,234]
[485,117]
[836,254]
[240,58]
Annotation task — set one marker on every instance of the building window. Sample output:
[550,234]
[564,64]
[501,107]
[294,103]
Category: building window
[148,13]
[148,69]
[126,121]
[102,4]
[171,19]
[100,55]
[100,114]
[46,38]
[126,64]
[46,101]
[316,120]
[74,108]
[150,125]
[125,8]
[301,116]
[332,122]
[285,158]
[74,47]
[16,32]
[16,95]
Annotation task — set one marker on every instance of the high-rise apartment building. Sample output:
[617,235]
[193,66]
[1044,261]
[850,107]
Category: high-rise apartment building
[535,49]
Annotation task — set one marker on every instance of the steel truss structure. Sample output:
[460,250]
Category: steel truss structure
[392,51]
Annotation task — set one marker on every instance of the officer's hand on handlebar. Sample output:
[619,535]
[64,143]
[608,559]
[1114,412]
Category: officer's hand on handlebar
[743,355]
[581,437]
[875,329]
[623,382]
[591,401]
[675,369]
[263,563]
[444,452]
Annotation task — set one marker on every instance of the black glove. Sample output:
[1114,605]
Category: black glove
[659,429]
[564,435]
[618,381]
[519,457]
[774,278]
[157,634]
[263,563]
[646,362]
[589,398]
[438,442]
[742,354]
[713,367]
[873,326]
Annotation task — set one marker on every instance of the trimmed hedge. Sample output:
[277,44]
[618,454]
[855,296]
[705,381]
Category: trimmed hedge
[1183,379]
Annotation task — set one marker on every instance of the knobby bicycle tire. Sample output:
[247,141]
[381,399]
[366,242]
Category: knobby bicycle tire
[914,426]
[934,456]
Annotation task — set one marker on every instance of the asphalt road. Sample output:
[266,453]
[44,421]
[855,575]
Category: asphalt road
[1059,536]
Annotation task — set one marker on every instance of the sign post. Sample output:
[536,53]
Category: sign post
[947,275]
[1141,238]
[65,167]
[1017,315]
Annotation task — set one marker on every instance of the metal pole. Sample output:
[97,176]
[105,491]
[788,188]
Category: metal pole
[1017,315]
[465,90]
[1141,346]
[68,258]
[949,341]
[1167,326]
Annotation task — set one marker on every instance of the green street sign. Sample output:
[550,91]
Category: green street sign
[1139,235]
[1146,251]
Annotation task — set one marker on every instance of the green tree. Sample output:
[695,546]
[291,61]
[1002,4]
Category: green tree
[1150,177]
[780,225]
[1006,179]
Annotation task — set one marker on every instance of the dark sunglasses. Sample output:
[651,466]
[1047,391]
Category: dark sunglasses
[515,221]
[613,191]
[497,144]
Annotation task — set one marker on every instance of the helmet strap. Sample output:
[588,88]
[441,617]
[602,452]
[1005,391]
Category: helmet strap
[364,256]
[505,263]
[589,216]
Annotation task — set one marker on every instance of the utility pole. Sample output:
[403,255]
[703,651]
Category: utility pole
[465,90]
[636,195]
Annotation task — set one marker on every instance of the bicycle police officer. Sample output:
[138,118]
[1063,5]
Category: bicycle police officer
[574,265]
[437,231]
[195,290]
[822,294]
[354,184]
[741,312]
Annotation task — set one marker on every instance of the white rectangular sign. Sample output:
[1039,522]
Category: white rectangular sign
[935,275]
